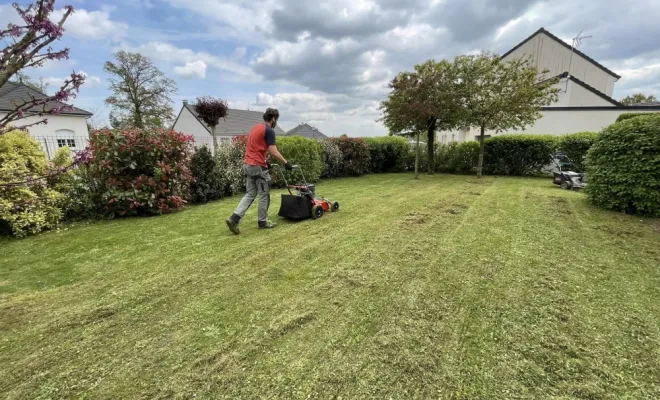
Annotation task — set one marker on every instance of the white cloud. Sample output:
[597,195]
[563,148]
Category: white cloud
[171,54]
[195,69]
[91,81]
[92,24]
[239,53]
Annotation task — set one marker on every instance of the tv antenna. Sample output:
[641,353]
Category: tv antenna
[577,42]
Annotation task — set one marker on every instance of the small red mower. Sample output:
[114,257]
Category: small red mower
[304,203]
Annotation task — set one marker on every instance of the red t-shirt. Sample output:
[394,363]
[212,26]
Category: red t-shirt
[260,137]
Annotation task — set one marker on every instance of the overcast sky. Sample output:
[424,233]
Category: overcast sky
[328,63]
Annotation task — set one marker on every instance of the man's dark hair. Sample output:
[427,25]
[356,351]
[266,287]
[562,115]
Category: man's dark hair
[270,114]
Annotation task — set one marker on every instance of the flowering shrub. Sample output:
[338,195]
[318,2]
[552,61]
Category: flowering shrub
[356,157]
[27,204]
[332,159]
[140,171]
[229,161]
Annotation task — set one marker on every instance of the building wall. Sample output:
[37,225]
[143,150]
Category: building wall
[578,96]
[70,130]
[559,123]
[546,53]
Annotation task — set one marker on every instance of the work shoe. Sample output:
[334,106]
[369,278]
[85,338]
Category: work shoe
[266,225]
[233,226]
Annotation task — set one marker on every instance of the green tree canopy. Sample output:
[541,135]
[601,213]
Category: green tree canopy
[498,95]
[424,100]
[141,92]
[638,98]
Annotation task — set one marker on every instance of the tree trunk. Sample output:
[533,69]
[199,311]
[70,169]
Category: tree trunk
[482,147]
[417,158]
[431,147]
[215,141]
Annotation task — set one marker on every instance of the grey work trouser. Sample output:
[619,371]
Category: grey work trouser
[257,182]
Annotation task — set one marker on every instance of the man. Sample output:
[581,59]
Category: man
[261,141]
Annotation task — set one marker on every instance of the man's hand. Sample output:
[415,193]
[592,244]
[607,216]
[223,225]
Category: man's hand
[288,167]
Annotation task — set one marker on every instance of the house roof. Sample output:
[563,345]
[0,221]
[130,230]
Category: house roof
[591,89]
[307,131]
[558,40]
[237,122]
[12,94]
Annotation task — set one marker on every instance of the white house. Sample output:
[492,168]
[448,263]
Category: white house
[69,128]
[585,101]
[236,123]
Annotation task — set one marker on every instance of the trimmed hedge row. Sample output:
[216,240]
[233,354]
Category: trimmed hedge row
[626,116]
[517,155]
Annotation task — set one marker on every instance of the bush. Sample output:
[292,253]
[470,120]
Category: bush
[301,151]
[207,182]
[332,159]
[356,158]
[27,204]
[140,171]
[388,154]
[518,154]
[458,158]
[624,167]
[576,146]
[626,116]
[229,161]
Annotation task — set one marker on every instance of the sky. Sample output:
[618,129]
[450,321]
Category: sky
[328,63]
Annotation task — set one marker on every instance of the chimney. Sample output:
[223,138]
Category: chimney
[185,102]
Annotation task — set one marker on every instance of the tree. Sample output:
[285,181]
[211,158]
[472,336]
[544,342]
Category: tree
[423,101]
[497,95]
[28,45]
[142,92]
[210,110]
[638,98]
[40,86]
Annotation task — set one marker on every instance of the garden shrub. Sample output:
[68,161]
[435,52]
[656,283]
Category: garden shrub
[388,154]
[518,154]
[229,161]
[458,158]
[623,167]
[27,204]
[626,116]
[140,171]
[207,182]
[332,159]
[356,158]
[301,151]
[576,146]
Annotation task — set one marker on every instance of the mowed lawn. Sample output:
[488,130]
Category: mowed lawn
[448,287]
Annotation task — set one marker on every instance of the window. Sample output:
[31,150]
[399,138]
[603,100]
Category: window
[65,138]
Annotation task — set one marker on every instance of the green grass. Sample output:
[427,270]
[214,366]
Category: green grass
[448,287]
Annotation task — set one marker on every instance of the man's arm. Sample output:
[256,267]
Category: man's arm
[272,149]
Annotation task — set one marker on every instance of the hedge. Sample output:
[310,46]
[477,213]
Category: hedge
[301,151]
[624,167]
[576,146]
[207,182]
[356,157]
[626,116]
[332,159]
[388,154]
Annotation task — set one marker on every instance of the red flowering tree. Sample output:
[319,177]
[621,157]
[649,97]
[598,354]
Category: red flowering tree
[140,171]
[210,110]
[28,45]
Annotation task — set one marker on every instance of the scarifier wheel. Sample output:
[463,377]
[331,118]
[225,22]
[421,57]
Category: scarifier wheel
[335,206]
[317,211]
